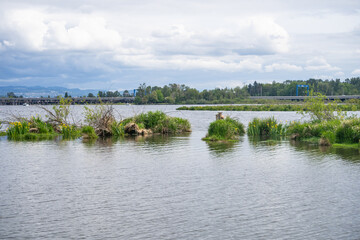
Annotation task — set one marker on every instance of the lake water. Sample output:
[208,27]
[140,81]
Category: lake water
[177,187]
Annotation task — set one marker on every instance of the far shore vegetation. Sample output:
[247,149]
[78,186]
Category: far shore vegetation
[353,105]
[182,94]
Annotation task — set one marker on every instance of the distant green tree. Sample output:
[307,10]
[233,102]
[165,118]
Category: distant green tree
[11,95]
[126,93]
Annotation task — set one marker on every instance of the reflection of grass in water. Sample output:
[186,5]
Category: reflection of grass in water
[152,139]
[265,140]
[345,152]
[33,137]
[221,146]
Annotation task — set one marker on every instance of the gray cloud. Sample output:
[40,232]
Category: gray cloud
[91,42]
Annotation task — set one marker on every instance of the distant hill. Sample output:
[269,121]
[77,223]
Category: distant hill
[38,91]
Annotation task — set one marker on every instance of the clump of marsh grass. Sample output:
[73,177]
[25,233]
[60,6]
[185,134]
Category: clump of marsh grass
[17,128]
[158,122]
[69,131]
[88,132]
[227,129]
[268,127]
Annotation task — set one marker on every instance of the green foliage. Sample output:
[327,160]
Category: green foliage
[41,126]
[225,129]
[335,131]
[17,128]
[265,127]
[88,132]
[150,119]
[60,113]
[348,131]
[312,129]
[92,115]
[69,131]
[329,136]
[318,110]
[117,129]
[159,122]
[181,94]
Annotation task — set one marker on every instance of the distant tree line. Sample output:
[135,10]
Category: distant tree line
[111,94]
[180,94]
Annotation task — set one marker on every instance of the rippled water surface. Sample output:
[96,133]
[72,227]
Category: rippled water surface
[177,187]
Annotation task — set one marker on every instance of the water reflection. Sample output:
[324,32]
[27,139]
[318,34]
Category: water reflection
[265,141]
[220,147]
[349,154]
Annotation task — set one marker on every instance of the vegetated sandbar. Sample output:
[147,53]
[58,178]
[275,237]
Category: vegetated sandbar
[265,107]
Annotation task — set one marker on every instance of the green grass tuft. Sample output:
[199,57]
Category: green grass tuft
[268,127]
[227,129]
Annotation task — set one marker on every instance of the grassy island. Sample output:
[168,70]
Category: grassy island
[329,125]
[99,121]
[227,129]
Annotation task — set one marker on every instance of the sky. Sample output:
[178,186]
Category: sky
[119,44]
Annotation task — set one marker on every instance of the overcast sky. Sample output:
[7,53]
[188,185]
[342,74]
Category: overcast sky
[118,44]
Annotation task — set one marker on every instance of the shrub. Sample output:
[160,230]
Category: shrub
[316,107]
[312,129]
[265,127]
[150,119]
[101,118]
[226,129]
[348,131]
[159,122]
[41,126]
[329,136]
[88,132]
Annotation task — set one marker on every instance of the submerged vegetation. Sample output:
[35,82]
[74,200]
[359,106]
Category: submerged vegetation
[227,129]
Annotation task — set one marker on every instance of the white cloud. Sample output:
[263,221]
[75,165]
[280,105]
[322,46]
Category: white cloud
[356,72]
[187,63]
[282,67]
[36,30]
[258,36]
[232,37]
[319,64]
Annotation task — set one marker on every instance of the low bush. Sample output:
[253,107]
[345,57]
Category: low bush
[348,131]
[40,126]
[265,127]
[313,129]
[225,129]
[159,122]
[88,132]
